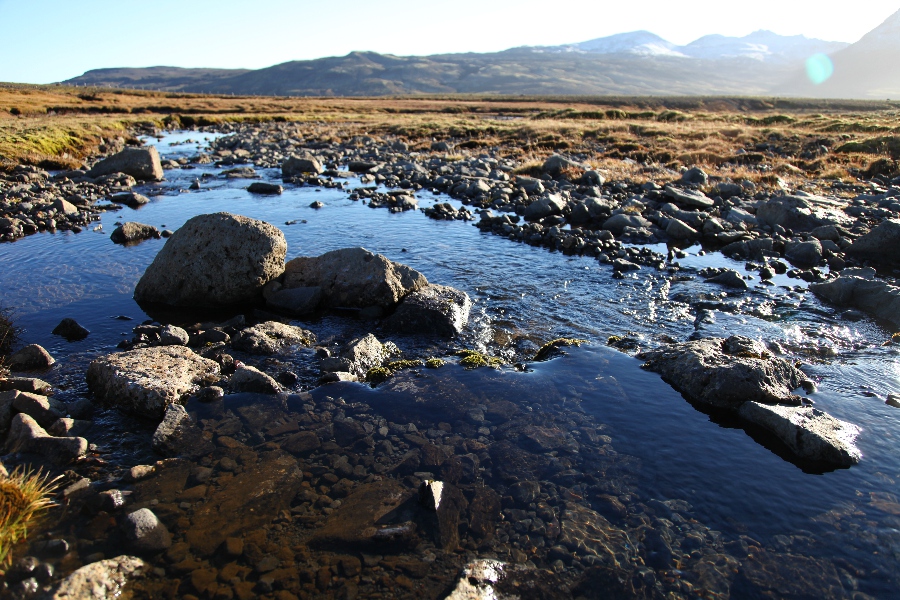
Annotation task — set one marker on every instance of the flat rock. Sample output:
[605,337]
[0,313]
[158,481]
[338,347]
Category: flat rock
[271,337]
[799,213]
[178,435]
[354,278]
[130,199]
[618,223]
[131,232]
[25,384]
[30,358]
[146,380]
[261,187]
[43,409]
[25,435]
[214,260]
[433,309]
[807,431]
[680,230]
[140,163]
[882,244]
[103,580]
[587,533]
[689,197]
[858,288]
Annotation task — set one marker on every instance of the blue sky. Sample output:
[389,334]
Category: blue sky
[44,41]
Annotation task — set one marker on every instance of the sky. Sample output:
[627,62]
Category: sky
[45,41]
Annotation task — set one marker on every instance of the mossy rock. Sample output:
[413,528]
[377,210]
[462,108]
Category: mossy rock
[376,375]
[552,348]
[434,363]
[472,359]
[399,365]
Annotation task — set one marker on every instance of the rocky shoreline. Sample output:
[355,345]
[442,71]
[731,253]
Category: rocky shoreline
[365,499]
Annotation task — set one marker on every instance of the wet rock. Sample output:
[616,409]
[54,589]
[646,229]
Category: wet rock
[271,337]
[70,330]
[296,301]
[140,163]
[858,288]
[25,435]
[587,533]
[297,166]
[729,278]
[261,187]
[689,197]
[807,431]
[354,278]
[146,380]
[769,575]
[726,373]
[103,580]
[30,358]
[525,492]
[145,533]
[130,199]
[364,353]
[131,232]
[170,335]
[178,435]
[249,379]
[25,384]
[893,400]
[214,260]
[681,231]
[301,443]
[881,245]
[433,309]
[618,223]
[804,255]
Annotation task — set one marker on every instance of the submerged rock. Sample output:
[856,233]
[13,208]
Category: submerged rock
[140,163]
[101,580]
[70,330]
[25,435]
[178,435]
[145,533]
[858,288]
[214,260]
[363,354]
[433,309]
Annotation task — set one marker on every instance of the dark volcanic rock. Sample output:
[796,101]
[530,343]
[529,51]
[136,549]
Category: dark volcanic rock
[71,330]
[858,288]
[882,244]
[131,232]
[433,309]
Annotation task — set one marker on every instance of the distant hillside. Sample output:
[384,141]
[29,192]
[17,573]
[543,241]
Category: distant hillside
[170,79]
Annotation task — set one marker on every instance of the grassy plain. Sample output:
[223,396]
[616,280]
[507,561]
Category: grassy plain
[762,139]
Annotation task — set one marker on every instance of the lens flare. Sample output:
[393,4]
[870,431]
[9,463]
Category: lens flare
[819,68]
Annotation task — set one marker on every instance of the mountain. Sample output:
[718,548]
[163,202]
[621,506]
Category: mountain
[870,68]
[636,42]
[171,79]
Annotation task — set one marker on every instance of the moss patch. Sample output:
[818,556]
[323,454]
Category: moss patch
[552,347]
[434,363]
[376,375]
[472,359]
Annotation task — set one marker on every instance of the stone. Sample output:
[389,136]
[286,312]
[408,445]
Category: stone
[721,373]
[144,381]
[551,204]
[43,409]
[70,330]
[25,435]
[893,400]
[260,187]
[798,213]
[525,492]
[618,223]
[680,230]
[695,176]
[250,379]
[170,335]
[301,165]
[354,278]
[881,245]
[30,358]
[363,354]
[25,384]
[804,255]
[130,199]
[103,580]
[689,197]
[729,278]
[214,260]
[859,289]
[587,533]
[140,163]
[296,301]
[145,533]
[555,164]
[178,435]
[271,337]
[432,310]
[807,431]
[131,232]
[65,207]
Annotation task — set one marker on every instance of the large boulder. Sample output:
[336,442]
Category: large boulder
[101,580]
[304,164]
[25,435]
[214,260]
[882,244]
[618,223]
[807,431]
[31,358]
[354,278]
[145,381]
[140,163]
[799,213]
[551,204]
[804,254]
[434,309]
[858,288]
[720,373]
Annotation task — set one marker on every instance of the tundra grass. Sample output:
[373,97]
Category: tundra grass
[24,499]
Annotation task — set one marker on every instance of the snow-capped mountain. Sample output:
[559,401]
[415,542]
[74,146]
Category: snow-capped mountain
[635,42]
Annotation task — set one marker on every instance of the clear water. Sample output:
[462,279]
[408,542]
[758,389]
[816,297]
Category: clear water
[523,297]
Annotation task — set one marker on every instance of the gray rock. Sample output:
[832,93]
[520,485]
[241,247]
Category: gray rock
[146,380]
[530,184]
[729,278]
[798,213]
[131,232]
[25,384]
[893,400]
[178,435]
[65,207]
[618,223]
[132,199]
[364,353]
[681,231]
[804,254]
[70,330]
[296,301]
[866,293]
[433,309]
[726,373]
[25,435]
[807,431]
[261,187]
[170,335]
[271,337]
[556,164]
[695,176]
[882,244]
[250,379]
[140,163]
[30,358]
[354,278]
[103,580]
[689,197]
[43,409]
[214,260]
[145,533]
[299,165]
[826,232]
[551,204]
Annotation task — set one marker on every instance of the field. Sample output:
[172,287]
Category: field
[768,141]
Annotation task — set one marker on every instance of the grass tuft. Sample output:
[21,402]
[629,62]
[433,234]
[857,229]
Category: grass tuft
[24,499]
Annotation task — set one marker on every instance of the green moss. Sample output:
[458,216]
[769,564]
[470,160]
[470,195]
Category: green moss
[550,348]
[399,365]
[889,145]
[378,374]
[434,363]
[472,359]
[613,340]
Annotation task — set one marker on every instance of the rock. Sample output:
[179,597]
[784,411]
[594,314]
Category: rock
[729,278]
[882,244]
[798,213]
[478,581]
[680,230]
[433,309]
[131,199]
[303,442]
[826,232]
[131,232]
[530,184]
[804,255]
[299,165]
[170,335]
[140,163]
[807,431]
[726,373]
[103,580]
[25,435]
[145,381]
[551,204]
[249,379]
[271,337]
[525,492]
[261,187]
[214,260]
[765,574]
[588,533]
[556,164]
[364,353]
[618,223]
[857,288]
[42,409]
[354,278]
[689,197]
[64,207]
[893,400]
[145,533]
[296,301]
[178,435]
[6,410]
[70,330]
[25,384]
[30,358]
[694,176]
[358,166]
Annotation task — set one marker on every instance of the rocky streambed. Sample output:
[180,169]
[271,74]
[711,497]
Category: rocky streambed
[297,416]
